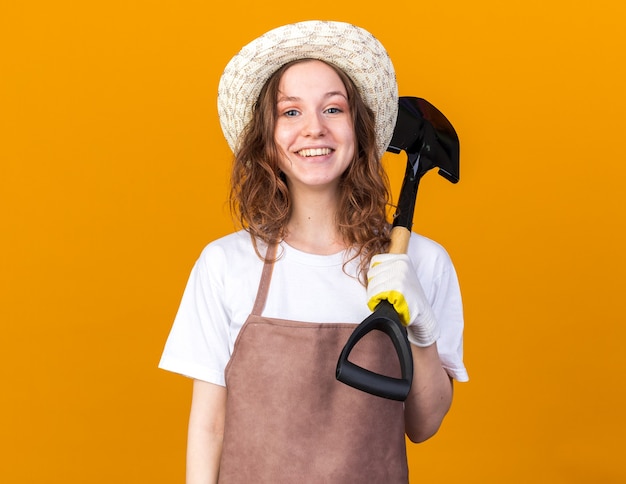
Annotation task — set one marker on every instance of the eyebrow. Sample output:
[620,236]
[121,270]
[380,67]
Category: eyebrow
[283,99]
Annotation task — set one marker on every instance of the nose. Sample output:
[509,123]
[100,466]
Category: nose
[314,125]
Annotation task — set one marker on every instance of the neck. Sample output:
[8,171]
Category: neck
[313,226]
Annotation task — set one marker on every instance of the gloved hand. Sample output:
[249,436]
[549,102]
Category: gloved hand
[392,277]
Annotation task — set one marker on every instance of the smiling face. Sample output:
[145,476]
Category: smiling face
[314,130]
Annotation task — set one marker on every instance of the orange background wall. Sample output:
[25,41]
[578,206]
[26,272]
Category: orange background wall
[113,176]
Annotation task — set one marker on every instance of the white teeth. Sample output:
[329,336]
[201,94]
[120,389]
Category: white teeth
[315,152]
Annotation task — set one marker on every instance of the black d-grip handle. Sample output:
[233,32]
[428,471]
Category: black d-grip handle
[385,319]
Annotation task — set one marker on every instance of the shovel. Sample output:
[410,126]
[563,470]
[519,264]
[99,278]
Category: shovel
[429,141]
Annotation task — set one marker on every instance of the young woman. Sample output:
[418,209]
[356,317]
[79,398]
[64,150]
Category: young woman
[308,110]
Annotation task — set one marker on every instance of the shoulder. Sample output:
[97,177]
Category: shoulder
[427,252]
[233,252]
[430,260]
[236,244]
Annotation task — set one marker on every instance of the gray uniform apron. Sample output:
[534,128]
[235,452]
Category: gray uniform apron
[288,420]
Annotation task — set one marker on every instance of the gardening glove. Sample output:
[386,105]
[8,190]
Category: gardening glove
[391,277]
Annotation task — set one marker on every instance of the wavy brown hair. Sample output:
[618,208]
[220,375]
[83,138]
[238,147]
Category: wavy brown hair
[259,196]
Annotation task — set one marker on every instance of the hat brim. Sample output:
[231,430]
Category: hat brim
[352,49]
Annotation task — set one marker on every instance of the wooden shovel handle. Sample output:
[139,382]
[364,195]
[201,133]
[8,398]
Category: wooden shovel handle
[400,237]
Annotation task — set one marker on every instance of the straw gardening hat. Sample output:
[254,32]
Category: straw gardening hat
[353,49]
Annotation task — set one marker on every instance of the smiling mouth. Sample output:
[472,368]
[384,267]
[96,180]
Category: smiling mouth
[314,152]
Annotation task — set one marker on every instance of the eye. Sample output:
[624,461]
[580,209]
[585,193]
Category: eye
[334,110]
[290,113]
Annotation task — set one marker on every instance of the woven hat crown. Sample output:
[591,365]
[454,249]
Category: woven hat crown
[352,49]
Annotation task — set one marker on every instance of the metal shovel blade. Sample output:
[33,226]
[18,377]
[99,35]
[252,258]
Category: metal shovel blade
[422,128]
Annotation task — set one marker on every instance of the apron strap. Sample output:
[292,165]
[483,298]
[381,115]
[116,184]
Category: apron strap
[266,276]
